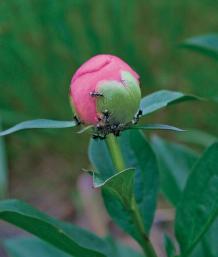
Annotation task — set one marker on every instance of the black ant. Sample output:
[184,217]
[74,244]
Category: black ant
[78,122]
[95,94]
[136,118]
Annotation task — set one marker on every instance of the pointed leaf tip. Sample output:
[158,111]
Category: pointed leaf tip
[163,98]
[39,123]
[158,126]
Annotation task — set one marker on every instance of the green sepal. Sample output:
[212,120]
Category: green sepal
[120,99]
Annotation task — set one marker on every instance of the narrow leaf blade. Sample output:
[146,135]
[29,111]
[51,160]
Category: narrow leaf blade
[157,127]
[39,123]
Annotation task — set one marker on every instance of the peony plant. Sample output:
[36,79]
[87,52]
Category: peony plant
[105,96]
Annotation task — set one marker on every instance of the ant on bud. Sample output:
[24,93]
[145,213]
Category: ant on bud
[106,116]
[78,122]
[136,118]
[104,127]
[95,94]
[115,130]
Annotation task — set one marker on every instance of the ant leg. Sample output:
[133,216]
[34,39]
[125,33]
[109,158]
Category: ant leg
[95,136]
[102,137]
[136,118]
[106,116]
[78,122]
[116,133]
[139,113]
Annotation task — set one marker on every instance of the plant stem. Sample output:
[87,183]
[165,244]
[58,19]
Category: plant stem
[145,241]
[148,249]
[115,152]
[118,161]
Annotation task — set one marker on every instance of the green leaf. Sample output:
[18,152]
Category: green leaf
[40,123]
[100,159]
[146,178]
[3,170]
[118,197]
[66,237]
[121,250]
[34,247]
[138,154]
[205,44]
[161,99]
[175,164]
[208,244]
[125,251]
[157,126]
[209,241]
[169,246]
[29,246]
[85,129]
[199,202]
[198,137]
[100,182]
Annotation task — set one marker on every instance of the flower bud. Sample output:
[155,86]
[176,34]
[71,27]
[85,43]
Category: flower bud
[105,90]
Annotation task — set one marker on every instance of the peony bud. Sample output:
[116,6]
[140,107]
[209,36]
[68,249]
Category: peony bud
[105,90]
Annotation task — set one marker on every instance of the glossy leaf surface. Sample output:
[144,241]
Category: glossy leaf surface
[199,202]
[118,197]
[68,238]
[175,164]
[138,154]
[29,246]
[161,99]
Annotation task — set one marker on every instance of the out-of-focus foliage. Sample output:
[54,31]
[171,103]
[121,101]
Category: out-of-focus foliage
[43,42]
[204,44]
[3,169]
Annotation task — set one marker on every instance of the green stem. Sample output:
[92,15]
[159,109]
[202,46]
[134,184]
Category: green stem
[115,152]
[145,241]
[118,161]
[148,249]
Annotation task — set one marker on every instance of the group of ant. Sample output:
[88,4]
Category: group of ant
[104,127]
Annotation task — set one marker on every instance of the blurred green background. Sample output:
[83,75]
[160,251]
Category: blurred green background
[43,42]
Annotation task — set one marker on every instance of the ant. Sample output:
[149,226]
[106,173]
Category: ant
[106,116]
[102,130]
[78,122]
[136,118]
[95,94]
